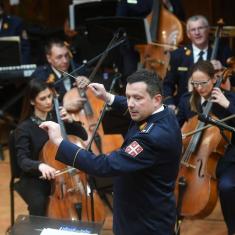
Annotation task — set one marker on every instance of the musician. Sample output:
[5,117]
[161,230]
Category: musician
[14,26]
[59,59]
[203,81]
[145,167]
[176,81]
[30,139]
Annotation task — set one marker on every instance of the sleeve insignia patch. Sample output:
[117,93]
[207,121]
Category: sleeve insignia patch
[134,149]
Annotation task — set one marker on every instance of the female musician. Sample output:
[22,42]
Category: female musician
[29,140]
[203,80]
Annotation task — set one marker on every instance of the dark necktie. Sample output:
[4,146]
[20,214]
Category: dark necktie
[201,53]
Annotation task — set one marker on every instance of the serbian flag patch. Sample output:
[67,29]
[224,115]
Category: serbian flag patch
[134,149]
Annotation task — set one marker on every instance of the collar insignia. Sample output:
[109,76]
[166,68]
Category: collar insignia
[51,78]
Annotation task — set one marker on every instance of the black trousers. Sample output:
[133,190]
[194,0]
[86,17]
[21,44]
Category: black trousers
[35,193]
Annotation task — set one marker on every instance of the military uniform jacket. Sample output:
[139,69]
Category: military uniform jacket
[45,73]
[13,26]
[178,72]
[185,113]
[144,170]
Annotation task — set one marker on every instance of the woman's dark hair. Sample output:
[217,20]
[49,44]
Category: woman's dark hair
[206,67]
[34,87]
[152,80]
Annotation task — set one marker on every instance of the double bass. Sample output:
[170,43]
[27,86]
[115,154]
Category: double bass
[70,196]
[166,33]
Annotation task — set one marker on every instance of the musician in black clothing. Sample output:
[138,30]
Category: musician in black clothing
[29,141]
[203,80]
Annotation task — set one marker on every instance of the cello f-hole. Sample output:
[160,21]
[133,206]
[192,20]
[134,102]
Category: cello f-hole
[200,169]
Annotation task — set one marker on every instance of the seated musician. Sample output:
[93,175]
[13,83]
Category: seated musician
[203,81]
[14,26]
[176,81]
[29,141]
[59,59]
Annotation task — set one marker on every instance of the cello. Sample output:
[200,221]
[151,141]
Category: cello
[70,197]
[196,189]
[166,33]
[91,110]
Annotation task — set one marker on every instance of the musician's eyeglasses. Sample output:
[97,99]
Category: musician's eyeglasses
[202,84]
[199,29]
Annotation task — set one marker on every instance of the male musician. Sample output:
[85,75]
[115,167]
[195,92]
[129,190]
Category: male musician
[203,81]
[145,167]
[176,81]
[59,59]
[14,26]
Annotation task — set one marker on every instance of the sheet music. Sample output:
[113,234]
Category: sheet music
[52,231]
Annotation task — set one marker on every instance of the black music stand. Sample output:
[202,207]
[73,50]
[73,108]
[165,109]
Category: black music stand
[33,225]
[78,13]
[10,51]
[102,28]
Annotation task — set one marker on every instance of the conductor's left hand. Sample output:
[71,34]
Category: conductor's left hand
[53,130]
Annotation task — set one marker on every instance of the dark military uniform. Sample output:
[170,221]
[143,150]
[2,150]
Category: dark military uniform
[46,73]
[178,73]
[144,169]
[13,26]
[226,165]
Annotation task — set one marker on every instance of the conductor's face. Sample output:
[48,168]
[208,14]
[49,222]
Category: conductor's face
[140,104]
[59,57]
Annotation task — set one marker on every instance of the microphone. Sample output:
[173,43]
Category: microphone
[207,119]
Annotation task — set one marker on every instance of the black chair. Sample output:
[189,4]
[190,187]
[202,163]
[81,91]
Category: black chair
[15,173]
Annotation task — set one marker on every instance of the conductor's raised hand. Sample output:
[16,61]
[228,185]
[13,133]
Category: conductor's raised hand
[99,91]
[53,130]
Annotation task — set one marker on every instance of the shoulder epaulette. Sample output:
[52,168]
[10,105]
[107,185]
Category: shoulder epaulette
[148,128]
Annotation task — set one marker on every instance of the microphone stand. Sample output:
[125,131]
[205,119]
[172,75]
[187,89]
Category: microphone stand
[104,109]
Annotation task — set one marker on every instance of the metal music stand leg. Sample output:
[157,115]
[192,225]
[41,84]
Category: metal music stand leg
[182,184]
[1,153]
